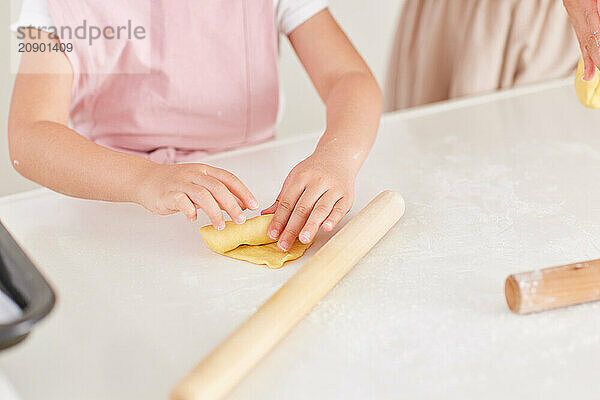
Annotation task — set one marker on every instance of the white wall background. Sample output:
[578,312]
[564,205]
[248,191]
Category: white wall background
[370,25]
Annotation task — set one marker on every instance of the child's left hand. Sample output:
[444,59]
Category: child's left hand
[319,191]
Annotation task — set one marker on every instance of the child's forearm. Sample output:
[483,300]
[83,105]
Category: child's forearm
[45,150]
[319,191]
[354,107]
[57,157]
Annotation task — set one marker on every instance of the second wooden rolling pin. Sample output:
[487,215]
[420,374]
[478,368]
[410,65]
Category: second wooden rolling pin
[555,287]
[222,369]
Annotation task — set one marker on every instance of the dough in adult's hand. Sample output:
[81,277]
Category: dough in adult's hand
[588,92]
[249,242]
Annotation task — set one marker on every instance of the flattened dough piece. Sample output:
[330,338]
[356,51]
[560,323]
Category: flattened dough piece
[249,242]
[252,232]
[588,92]
[268,254]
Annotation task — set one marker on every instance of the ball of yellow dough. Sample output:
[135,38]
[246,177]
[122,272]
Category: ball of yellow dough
[588,92]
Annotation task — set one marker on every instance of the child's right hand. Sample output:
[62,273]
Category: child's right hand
[168,189]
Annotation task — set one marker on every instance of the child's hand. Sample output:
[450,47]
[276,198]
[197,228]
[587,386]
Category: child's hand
[318,192]
[168,189]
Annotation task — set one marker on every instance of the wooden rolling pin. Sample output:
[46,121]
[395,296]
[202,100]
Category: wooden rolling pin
[555,287]
[218,373]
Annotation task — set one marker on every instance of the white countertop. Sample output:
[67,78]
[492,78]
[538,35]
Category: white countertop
[495,185]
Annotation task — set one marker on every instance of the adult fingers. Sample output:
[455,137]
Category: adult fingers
[589,68]
[340,209]
[320,212]
[205,201]
[235,186]
[592,30]
[586,21]
[298,218]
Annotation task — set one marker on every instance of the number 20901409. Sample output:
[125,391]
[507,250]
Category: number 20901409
[45,47]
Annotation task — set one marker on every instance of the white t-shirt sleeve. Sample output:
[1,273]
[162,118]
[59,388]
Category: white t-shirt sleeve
[34,13]
[290,14]
[293,13]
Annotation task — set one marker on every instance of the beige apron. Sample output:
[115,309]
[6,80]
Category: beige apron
[453,48]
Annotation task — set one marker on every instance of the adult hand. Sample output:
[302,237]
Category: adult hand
[586,22]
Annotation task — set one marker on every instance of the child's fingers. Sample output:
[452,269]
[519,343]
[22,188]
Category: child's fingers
[275,205]
[301,212]
[204,200]
[340,209]
[182,202]
[241,203]
[287,201]
[320,212]
[271,209]
[227,201]
[235,186]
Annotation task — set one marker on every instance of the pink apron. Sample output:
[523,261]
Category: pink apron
[200,77]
